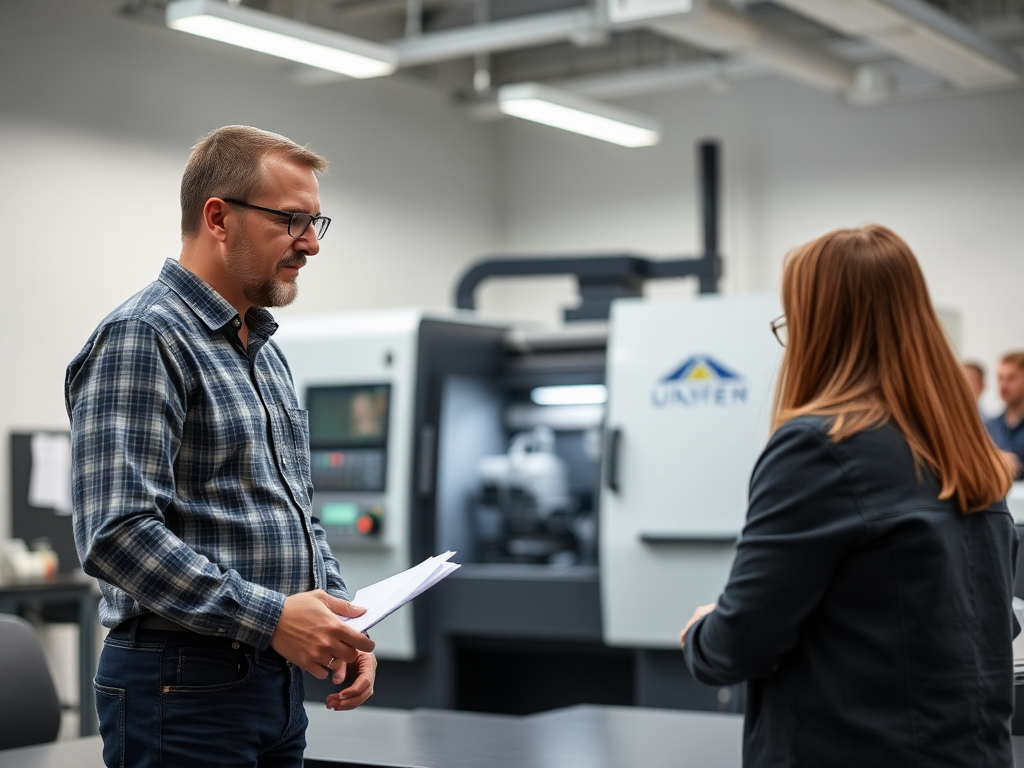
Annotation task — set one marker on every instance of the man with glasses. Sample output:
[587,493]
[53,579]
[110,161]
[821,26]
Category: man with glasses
[191,482]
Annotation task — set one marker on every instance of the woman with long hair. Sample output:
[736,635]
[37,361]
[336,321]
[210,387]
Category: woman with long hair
[869,604]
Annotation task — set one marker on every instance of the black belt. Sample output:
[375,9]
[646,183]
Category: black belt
[152,621]
[159,623]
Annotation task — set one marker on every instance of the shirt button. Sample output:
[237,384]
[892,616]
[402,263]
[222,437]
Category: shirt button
[237,323]
[235,646]
[285,462]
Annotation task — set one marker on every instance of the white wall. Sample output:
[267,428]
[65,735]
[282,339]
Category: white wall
[947,175]
[97,113]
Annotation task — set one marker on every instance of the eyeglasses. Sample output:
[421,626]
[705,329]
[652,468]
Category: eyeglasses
[298,222]
[779,328]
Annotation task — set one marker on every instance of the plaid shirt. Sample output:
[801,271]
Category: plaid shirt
[191,481]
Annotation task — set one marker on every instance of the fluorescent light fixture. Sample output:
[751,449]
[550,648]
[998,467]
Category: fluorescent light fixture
[576,394]
[278,36]
[579,114]
[620,11]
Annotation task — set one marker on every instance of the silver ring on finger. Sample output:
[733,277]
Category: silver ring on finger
[330,664]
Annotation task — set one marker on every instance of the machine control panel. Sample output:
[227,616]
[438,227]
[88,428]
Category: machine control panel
[348,430]
[349,522]
[348,470]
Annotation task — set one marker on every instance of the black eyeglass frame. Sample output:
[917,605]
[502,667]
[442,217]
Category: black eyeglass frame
[777,325]
[292,217]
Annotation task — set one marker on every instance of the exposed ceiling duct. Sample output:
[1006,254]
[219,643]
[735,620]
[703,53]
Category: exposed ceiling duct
[721,29]
[608,49]
[920,33]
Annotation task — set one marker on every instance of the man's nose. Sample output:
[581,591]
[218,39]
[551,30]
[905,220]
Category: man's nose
[310,242]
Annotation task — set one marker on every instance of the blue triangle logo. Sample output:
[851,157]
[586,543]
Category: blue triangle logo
[701,368]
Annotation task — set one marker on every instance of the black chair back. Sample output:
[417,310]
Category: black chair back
[29,708]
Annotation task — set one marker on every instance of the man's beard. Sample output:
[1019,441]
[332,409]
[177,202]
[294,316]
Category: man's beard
[261,290]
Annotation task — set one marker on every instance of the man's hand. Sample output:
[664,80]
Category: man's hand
[361,688]
[1013,460]
[310,635]
[700,613]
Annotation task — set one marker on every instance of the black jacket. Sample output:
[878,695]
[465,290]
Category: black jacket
[872,621]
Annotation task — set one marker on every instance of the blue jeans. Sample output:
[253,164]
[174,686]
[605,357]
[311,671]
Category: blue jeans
[182,700]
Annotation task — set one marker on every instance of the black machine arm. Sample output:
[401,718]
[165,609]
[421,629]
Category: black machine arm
[604,278]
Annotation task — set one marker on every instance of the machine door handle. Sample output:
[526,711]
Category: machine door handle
[428,444]
[613,448]
[690,538]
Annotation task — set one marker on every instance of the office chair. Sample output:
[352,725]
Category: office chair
[29,709]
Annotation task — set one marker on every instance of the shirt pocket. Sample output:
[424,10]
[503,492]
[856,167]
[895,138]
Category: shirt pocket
[298,422]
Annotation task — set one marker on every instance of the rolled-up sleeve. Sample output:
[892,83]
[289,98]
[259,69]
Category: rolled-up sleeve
[126,396]
[802,518]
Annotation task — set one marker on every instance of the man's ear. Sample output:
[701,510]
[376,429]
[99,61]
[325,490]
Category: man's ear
[215,212]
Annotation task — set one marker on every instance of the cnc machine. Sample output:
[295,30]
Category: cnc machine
[592,478]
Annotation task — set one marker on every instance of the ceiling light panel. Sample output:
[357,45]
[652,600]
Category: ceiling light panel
[578,114]
[281,37]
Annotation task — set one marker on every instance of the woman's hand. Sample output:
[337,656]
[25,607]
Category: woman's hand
[700,613]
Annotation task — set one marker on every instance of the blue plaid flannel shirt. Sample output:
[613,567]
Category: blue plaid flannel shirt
[191,482]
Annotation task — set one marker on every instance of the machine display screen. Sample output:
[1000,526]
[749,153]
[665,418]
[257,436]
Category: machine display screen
[348,416]
[348,430]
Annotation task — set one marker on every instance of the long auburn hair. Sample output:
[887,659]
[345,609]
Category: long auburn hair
[865,346]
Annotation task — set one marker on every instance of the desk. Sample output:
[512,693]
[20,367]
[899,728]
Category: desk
[581,737]
[65,589]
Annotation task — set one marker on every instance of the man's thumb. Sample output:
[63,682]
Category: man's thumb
[344,607]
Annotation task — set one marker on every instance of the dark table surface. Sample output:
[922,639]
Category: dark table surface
[576,737]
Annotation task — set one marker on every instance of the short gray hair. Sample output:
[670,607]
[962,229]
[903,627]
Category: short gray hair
[228,163]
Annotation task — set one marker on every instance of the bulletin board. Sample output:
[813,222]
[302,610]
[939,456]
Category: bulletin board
[30,522]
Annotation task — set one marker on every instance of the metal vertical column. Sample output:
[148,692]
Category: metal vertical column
[707,161]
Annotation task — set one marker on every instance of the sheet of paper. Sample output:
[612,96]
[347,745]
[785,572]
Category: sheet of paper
[385,597]
[49,484]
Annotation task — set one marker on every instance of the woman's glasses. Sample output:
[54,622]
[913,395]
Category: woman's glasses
[778,326]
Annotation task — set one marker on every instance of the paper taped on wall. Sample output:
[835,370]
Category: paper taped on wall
[50,481]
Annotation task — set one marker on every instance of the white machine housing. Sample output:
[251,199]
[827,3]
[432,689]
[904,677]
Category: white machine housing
[690,386]
[367,349]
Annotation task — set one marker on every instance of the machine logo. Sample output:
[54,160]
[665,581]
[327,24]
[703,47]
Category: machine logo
[700,381]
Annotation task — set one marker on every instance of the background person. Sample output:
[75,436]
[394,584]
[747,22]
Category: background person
[1007,429]
[191,482]
[975,373]
[869,604]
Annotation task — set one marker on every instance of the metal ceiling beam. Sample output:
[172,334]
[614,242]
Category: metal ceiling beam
[919,33]
[635,82]
[522,32]
[721,29]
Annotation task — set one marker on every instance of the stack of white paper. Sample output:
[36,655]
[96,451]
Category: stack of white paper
[385,597]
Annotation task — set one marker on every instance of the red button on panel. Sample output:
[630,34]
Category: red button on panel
[365,524]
